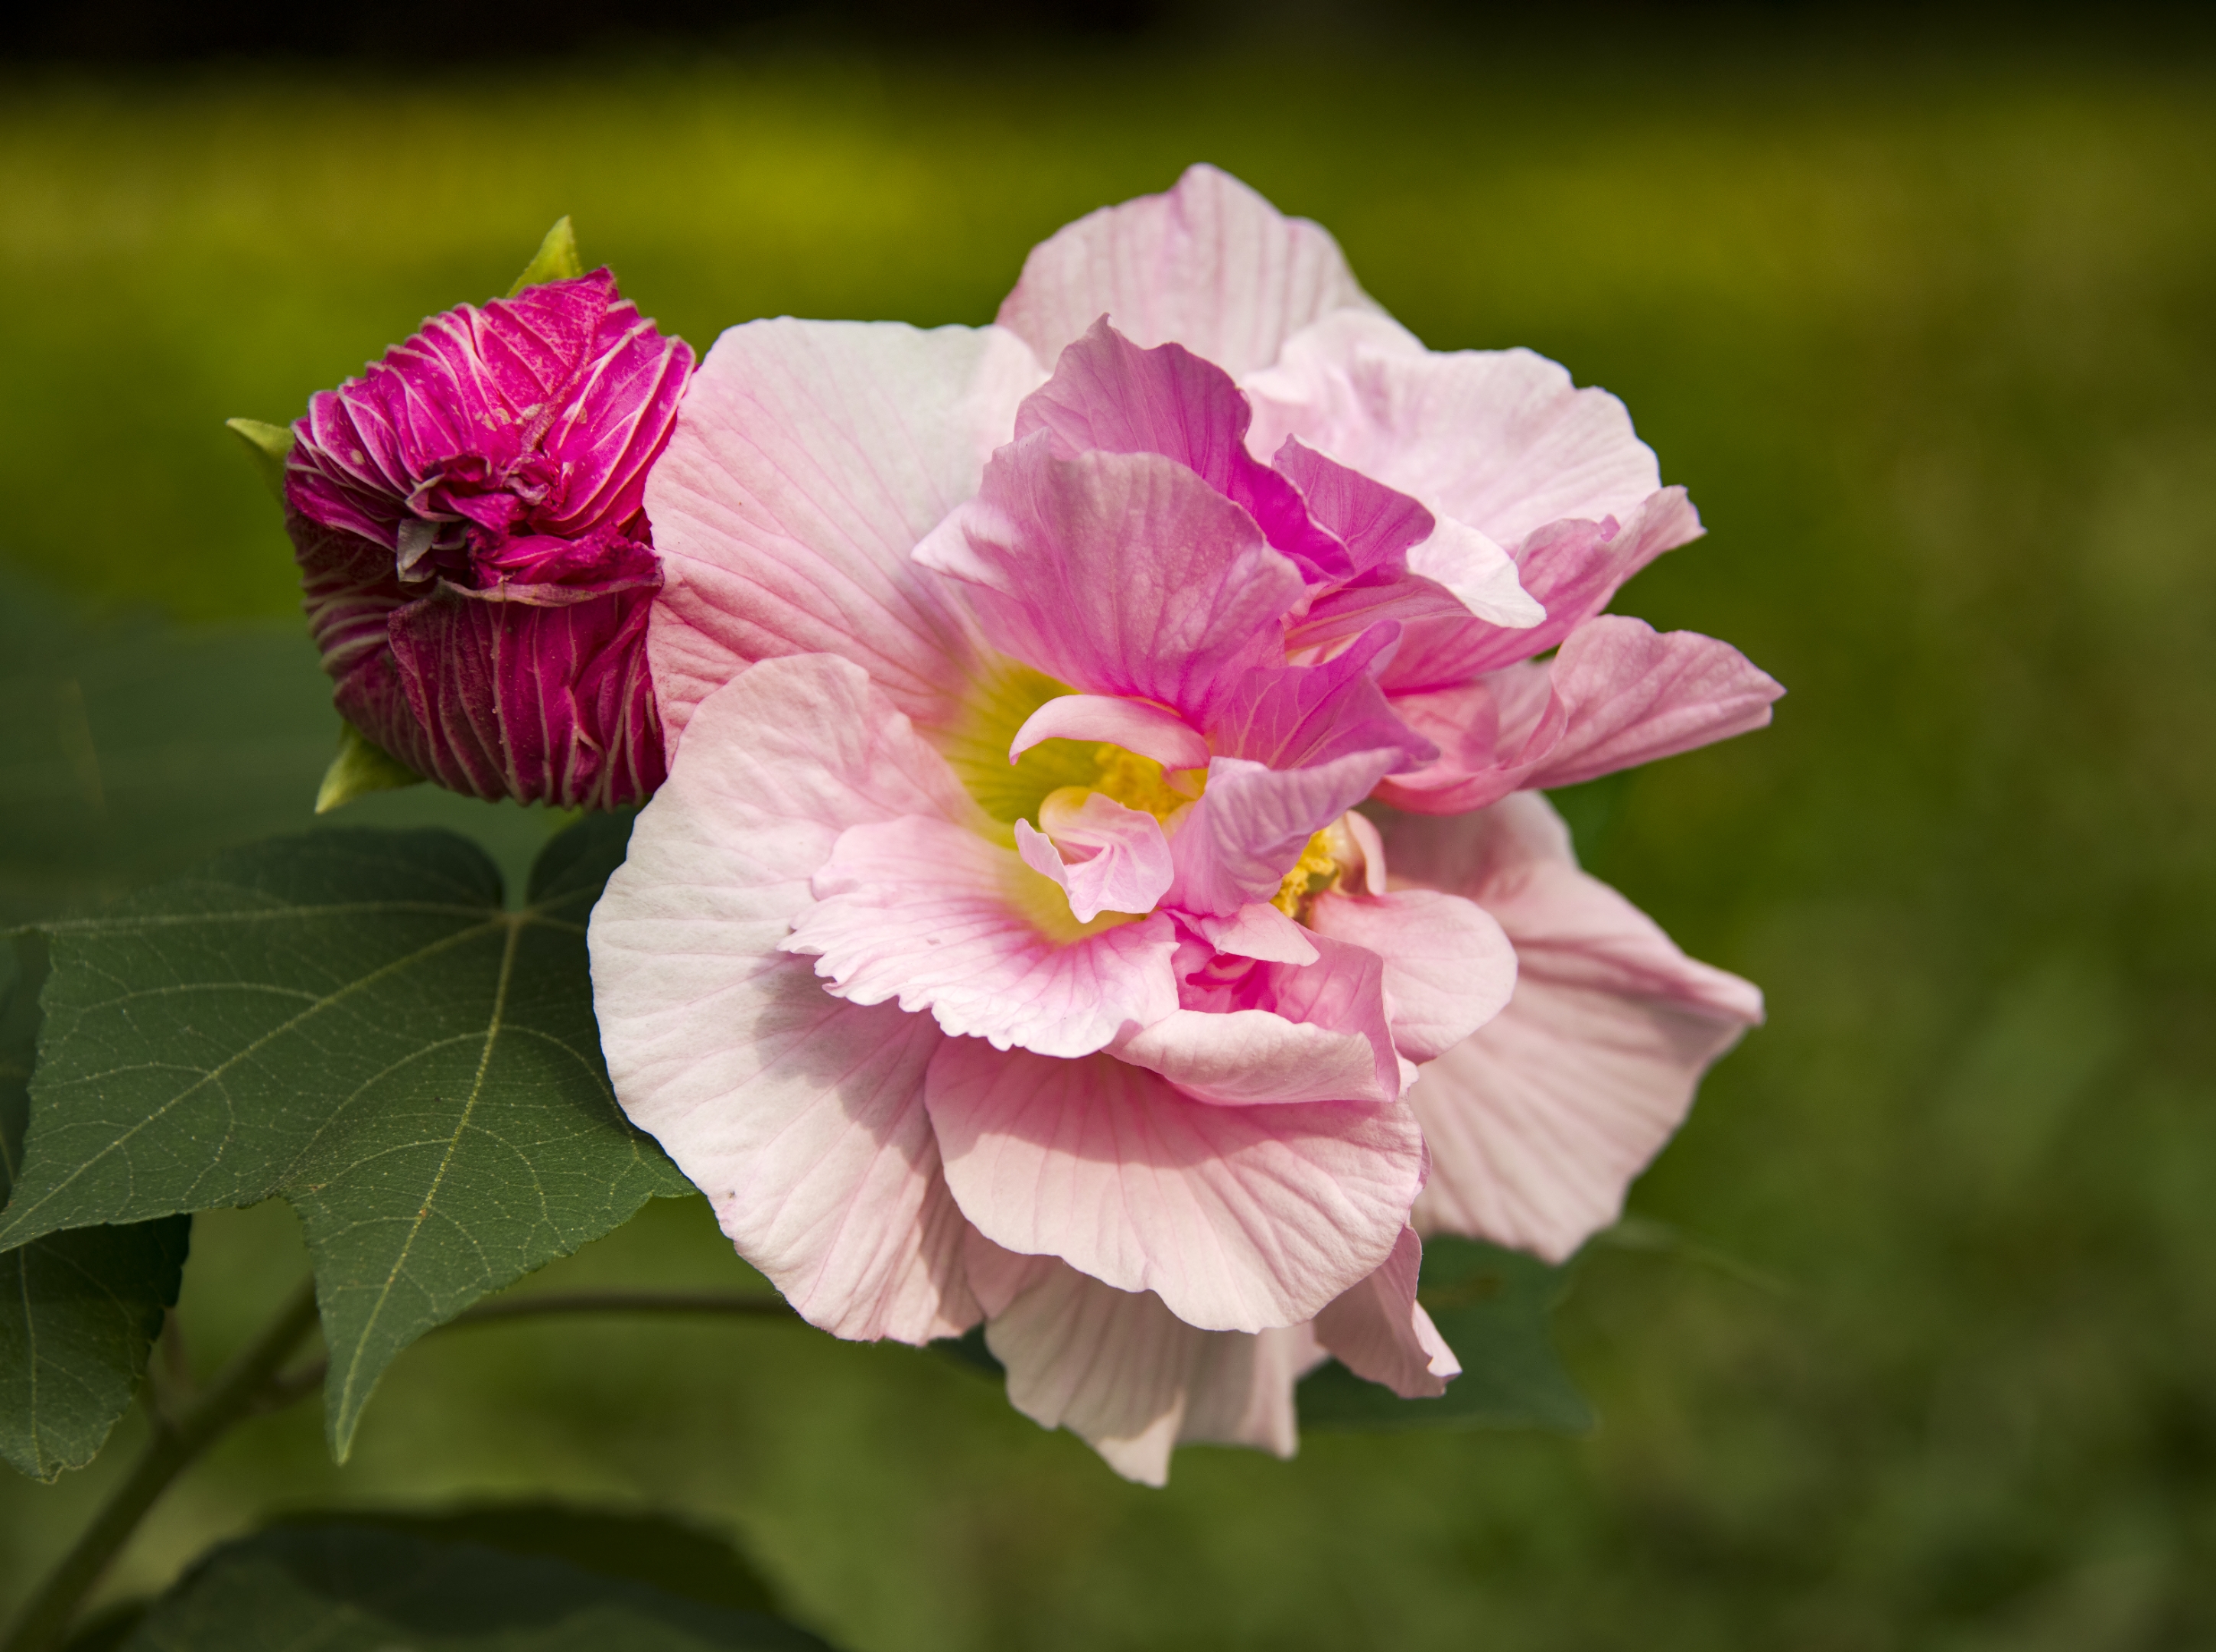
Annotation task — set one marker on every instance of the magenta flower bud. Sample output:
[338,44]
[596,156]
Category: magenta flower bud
[478,564]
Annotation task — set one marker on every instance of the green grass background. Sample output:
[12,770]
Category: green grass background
[1932,343]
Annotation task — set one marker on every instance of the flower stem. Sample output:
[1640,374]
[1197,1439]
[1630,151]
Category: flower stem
[177,1441]
[253,1383]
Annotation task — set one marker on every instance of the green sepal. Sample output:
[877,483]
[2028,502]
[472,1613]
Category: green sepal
[360,767]
[268,446]
[555,261]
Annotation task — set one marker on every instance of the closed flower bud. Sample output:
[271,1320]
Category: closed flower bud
[478,564]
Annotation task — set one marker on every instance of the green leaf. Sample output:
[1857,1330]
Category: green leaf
[1491,1305]
[657,1550]
[359,1588]
[350,1021]
[129,751]
[78,1311]
[268,446]
[360,767]
[555,261]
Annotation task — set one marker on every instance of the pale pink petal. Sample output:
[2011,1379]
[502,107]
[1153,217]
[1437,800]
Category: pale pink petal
[1236,845]
[1119,573]
[1448,968]
[1126,860]
[1369,849]
[1149,730]
[1240,1217]
[1109,395]
[935,915]
[1539,1121]
[1491,734]
[1251,1032]
[801,1117]
[1124,1374]
[809,459]
[1478,573]
[1211,265]
[1571,568]
[1245,1057]
[1635,695]
[1379,1331]
[1242,1388]
[1500,439]
[1257,930]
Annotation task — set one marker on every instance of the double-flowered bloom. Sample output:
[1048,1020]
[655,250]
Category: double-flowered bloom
[469,524]
[1019,934]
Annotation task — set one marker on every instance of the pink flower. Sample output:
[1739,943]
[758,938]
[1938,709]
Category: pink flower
[1006,942]
[469,524]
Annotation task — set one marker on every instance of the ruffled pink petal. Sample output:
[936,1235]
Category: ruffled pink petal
[1500,439]
[1539,1121]
[1635,695]
[1377,525]
[1119,575]
[1240,1217]
[809,459]
[935,915]
[1571,567]
[1211,265]
[800,1116]
[1109,395]
[1149,730]
[1257,930]
[1295,716]
[1447,967]
[1478,573]
[1236,845]
[1378,1331]
[1617,694]
[1243,1388]
[1123,864]
[1120,1370]
[1271,1033]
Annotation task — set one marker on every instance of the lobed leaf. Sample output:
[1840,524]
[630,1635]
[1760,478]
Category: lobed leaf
[350,1587]
[350,1021]
[78,1311]
[1492,1305]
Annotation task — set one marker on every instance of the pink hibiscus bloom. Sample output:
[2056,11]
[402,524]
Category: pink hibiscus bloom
[1006,942]
[469,518]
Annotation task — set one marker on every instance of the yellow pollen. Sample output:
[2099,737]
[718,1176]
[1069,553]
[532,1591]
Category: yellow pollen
[1138,782]
[1316,870]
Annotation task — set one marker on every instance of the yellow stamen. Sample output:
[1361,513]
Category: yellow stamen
[1317,869]
[1138,781]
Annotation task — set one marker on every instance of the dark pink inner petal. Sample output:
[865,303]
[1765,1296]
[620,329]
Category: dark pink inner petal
[1109,395]
[1378,525]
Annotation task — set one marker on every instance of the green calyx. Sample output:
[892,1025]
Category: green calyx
[359,768]
[268,446]
[555,261]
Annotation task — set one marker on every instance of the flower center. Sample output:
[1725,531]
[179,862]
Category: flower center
[1138,781]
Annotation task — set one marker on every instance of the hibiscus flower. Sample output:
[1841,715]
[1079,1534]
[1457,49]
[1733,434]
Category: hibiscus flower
[469,521]
[1011,942]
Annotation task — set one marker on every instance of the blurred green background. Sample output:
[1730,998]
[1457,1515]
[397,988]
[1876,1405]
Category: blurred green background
[1932,340]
